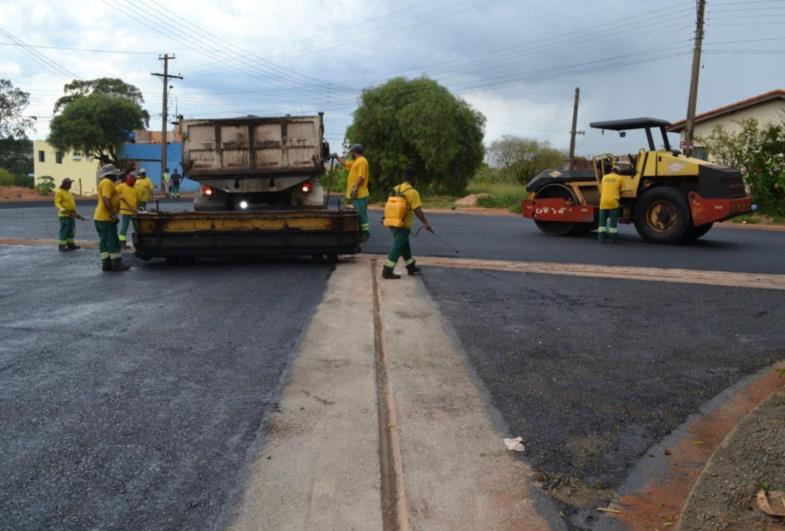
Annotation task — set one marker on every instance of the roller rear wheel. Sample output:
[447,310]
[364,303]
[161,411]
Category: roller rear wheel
[662,215]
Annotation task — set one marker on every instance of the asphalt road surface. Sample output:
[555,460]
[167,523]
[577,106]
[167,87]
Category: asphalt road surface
[593,372]
[504,238]
[133,400]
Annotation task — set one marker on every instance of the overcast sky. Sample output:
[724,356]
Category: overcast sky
[516,61]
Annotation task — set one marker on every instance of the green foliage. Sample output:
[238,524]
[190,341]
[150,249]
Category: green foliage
[79,88]
[6,177]
[95,125]
[500,194]
[417,122]
[27,181]
[523,158]
[759,152]
[45,186]
[16,155]
[335,177]
[12,102]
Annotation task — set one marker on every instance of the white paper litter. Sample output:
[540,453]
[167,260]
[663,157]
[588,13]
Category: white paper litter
[515,445]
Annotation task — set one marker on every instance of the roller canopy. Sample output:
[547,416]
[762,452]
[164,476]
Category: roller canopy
[630,123]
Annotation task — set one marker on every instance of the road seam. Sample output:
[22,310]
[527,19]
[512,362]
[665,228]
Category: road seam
[651,274]
[395,516]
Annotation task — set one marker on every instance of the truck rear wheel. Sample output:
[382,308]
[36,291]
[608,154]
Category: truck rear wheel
[662,215]
[561,228]
[700,230]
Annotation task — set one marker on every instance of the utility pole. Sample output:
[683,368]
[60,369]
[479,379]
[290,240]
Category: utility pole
[574,131]
[689,130]
[166,76]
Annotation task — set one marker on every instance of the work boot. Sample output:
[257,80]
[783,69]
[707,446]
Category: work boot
[63,247]
[388,273]
[412,269]
[106,264]
[614,238]
[72,246]
[365,236]
[118,265]
[124,245]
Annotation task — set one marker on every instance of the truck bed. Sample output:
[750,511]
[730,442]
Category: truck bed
[246,234]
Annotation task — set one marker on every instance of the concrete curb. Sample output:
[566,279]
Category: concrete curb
[657,491]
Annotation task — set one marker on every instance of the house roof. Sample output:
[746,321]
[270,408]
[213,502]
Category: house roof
[778,94]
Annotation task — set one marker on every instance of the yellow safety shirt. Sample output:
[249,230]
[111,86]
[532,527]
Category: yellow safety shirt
[357,168]
[106,189]
[610,191]
[413,202]
[129,199]
[65,203]
[145,188]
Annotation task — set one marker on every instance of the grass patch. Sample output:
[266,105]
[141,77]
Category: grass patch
[500,195]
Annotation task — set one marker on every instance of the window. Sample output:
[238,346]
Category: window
[700,152]
[77,155]
[58,157]
[41,156]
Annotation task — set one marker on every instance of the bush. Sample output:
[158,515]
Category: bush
[27,181]
[6,177]
[45,186]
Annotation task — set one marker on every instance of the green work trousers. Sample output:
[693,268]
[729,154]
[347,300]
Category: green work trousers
[361,205]
[400,248]
[108,244]
[175,189]
[125,220]
[67,230]
[609,223]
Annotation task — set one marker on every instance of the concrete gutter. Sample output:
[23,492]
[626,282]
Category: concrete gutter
[381,426]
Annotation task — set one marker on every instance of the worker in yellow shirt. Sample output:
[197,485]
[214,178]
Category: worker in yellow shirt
[67,214]
[357,186]
[146,189]
[401,247]
[106,220]
[129,206]
[610,192]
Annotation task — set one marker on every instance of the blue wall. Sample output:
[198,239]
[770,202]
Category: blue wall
[148,156]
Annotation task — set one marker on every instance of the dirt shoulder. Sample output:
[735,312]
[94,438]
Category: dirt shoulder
[751,457]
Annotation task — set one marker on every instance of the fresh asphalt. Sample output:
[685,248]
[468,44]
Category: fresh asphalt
[501,238]
[593,372]
[135,400]
[139,409]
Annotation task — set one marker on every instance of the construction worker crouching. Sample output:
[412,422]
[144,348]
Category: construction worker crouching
[106,220]
[67,215]
[145,188]
[129,206]
[401,225]
[610,192]
[357,186]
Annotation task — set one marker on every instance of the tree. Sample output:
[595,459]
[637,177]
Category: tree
[523,158]
[105,85]
[417,122]
[16,155]
[12,102]
[759,152]
[96,125]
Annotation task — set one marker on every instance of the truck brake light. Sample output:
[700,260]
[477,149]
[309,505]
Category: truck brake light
[206,190]
[306,187]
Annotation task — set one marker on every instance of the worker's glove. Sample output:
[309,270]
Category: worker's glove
[80,217]
[354,192]
[62,211]
[428,228]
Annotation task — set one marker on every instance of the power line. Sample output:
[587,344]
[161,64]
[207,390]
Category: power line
[89,50]
[42,59]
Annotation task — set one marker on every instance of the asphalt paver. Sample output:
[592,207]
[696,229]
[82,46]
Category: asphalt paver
[594,372]
[135,400]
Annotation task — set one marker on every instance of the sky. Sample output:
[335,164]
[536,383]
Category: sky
[516,61]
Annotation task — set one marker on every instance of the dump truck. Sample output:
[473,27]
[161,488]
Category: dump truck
[670,197]
[260,194]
